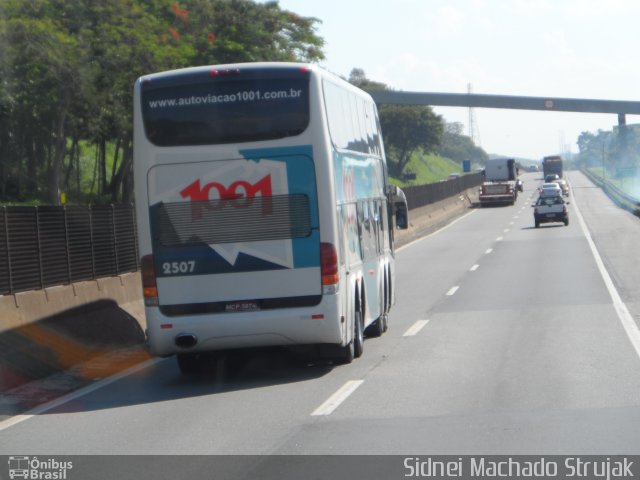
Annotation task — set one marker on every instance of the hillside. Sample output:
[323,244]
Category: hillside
[428,169]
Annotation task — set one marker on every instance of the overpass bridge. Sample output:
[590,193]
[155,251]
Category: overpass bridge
[550,104]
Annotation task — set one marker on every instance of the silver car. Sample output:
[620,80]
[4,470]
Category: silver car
[550,190]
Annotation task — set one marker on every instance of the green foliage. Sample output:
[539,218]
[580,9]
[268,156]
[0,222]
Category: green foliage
[459,147]
[67,69]
[614,151]
[406,129]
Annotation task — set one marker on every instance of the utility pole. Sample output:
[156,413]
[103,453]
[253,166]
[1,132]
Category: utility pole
[474,133]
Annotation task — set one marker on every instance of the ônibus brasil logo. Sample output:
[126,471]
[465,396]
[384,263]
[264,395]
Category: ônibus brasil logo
[38,469]
[239,193]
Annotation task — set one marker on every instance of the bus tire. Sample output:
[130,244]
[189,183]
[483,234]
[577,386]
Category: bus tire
[354,348]
[358,333]
[189,363]
[377,328]
[345,354]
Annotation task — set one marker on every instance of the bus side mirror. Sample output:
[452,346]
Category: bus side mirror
[398,202]
[402,216]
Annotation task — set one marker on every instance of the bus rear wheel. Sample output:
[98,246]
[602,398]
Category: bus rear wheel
[378,327]
[354,348]
[358,333]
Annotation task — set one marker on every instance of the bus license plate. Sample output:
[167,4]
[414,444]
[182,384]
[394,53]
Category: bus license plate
[243,306]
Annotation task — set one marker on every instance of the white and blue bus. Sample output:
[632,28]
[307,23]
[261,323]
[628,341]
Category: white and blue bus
[265,215]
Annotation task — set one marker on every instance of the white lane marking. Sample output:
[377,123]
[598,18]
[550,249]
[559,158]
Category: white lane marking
[415,328]
[45,407]
[511,223]
[474,268]
[629,325]
[499,239]
[452,290]
[337,398]
[436,232]
[516,217]
[506,230]
[488,251]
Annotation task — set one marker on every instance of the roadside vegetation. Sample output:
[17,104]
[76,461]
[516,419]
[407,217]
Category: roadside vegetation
[67,69]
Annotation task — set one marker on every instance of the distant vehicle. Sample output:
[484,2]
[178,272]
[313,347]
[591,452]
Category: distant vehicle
[564,186]
[552,177]
[533,168]
[550,209]
[552,164]
[550,190]
[499,186]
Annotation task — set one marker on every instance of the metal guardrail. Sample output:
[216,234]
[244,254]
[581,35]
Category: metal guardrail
[49,245]
[621,198]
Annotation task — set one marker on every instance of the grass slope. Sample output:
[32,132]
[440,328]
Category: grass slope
[428,168]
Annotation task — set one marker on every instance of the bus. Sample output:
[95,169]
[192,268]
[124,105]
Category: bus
[264,211]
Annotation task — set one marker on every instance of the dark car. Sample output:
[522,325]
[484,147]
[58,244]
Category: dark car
[552,177]
[550,209]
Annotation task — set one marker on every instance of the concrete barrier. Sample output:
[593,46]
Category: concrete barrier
[46,331]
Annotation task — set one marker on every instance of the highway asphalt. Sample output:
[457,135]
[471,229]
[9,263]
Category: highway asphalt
[505,339]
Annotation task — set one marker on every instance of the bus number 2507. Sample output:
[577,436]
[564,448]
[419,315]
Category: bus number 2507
[174,268]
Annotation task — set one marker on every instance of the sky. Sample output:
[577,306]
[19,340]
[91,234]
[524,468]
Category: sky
[542,48]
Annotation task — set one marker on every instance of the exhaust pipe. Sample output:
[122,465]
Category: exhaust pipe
[186,340]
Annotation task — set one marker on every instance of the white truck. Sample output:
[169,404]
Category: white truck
[500,183]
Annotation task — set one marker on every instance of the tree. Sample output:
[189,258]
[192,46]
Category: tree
[43,64]
[67,69]
[594,149]
[459,147]
[406,128]
[358,78]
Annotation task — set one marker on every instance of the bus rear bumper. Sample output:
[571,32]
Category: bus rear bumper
[221,331]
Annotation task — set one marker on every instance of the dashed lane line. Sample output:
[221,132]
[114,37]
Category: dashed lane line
[452,290]
[335,400]
[413,330]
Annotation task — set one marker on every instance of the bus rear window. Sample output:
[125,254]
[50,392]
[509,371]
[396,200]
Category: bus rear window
[216,112]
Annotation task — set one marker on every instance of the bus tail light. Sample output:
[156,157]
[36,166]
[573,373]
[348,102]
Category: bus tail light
[149,286]
[329,263]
